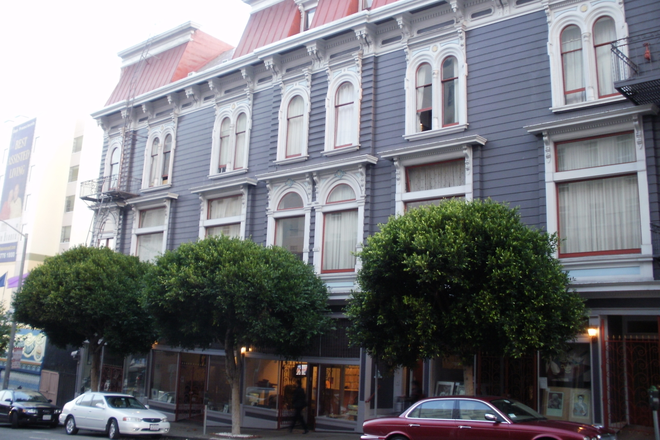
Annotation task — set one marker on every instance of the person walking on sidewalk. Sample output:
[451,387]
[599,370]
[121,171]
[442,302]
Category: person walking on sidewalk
[299,403]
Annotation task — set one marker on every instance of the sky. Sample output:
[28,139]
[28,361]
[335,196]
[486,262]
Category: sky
[60,57]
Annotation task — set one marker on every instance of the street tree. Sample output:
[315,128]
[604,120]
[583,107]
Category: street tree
[461,278]
[238,294]
[5,328]
[88,295]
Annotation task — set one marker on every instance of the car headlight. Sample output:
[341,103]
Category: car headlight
[132,419]
[58,411]
[30,411]
[164,419]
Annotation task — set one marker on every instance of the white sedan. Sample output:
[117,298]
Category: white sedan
[113,413]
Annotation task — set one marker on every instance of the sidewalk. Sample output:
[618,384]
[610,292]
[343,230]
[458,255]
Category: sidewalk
[185,430]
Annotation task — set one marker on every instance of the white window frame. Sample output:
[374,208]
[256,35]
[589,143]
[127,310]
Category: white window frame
[160,132]
[597,267]
[289,92]
[584,17]
[326,182]
[231,111]
[434,54]
[300,185]
[146,203]
[108,230]
[337,78]
[220,190]
[107,164]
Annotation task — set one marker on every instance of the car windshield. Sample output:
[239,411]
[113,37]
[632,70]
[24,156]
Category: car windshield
[124,402]
[517,412]
[27,396]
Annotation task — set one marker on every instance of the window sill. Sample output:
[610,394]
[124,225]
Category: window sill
[341,150]
[156,188]
[587,104]
[437,132]
[291,160]
[228,174]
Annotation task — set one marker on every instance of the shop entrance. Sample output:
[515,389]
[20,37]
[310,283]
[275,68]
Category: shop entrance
[193,371]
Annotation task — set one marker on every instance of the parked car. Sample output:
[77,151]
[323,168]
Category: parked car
[477,418]
[23,407]
[113,413]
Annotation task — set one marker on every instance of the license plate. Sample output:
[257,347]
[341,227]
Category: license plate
[154,428]
[46,417]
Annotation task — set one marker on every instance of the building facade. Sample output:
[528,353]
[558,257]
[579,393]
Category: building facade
[331,116]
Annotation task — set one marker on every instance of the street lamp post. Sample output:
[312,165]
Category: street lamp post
[12,334]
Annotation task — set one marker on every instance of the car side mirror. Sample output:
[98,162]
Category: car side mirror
[146,406]
[492,418]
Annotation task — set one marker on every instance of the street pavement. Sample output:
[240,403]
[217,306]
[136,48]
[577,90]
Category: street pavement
[185,430]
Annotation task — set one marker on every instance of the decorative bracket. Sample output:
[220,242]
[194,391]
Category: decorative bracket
[274,64]
[193,92]
[214,85]
[173,100]
[317,53]
[148,109]
[365,34]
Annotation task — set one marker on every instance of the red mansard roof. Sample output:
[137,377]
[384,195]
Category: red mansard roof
[168,66]
[328,11]
[268,26]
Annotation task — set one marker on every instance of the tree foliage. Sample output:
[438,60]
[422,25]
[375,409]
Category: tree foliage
[239,294]
[88,294]
[5,328]
[460,278]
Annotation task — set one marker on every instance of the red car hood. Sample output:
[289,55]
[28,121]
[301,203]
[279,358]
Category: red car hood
[582,428]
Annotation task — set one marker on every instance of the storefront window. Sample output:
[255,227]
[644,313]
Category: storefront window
[567,395]
[163,377]
[261,379]
[339,391]
[136,373]
[219,392]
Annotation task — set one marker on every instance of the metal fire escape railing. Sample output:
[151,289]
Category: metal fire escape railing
[634,67]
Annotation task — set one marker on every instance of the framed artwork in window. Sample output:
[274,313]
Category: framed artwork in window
[444,388]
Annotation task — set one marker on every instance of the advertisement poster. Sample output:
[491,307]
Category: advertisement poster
[13,192]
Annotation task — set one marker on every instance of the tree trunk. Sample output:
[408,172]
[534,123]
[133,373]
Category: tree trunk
[234,366]
[95,349]
[468,379]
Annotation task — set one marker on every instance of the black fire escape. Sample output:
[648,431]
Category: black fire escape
[637,67]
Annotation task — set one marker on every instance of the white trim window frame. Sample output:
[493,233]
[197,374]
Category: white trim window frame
[444,78]
[236,216]
[326,184]
[342,110]
[159,157]
[287,151]
[230,144]
[606,164]
[146,226]
[108,231]
[277,191]
[112,165]
[581,66]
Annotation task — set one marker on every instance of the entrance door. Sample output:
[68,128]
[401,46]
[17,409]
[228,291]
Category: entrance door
[193,371]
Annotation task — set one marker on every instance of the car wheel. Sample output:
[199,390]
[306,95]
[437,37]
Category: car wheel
[113,429]
[13,418]
[70,426]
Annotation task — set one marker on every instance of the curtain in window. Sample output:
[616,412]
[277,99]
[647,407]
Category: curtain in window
[167,151]
[436,175]
[114,169]
[339,240]
[152,217]
[424,98]
[341,193]
[596,152]
[224,153]
[294,132]
[290,201]
[449,81]
[599,215]
[153,166]
[571,56]
[225,207]
[149,246]
[345,120]
[233,230]
[289,233]
[604,35]
[241,128]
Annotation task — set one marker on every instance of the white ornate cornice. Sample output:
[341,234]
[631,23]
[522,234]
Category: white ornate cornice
[365,34]
[317,52]
[193,92]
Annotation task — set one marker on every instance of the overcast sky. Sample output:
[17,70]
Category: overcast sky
[60,57]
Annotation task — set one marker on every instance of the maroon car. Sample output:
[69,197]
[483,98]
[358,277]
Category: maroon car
[477,418]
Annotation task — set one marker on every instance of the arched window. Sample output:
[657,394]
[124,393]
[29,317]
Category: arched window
[340,232]
[241,129]
[424,97]
[114,169]
[604,36]
[344,115]
[153,165]
[290,230]
[449,89]
[341,193]
[295,132]
[167,151]
[571,57]
[225,149]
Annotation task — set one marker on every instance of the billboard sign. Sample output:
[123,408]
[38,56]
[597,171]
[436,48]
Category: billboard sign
[13,190]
